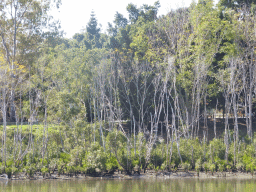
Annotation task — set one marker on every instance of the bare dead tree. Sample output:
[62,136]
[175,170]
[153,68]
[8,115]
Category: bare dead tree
[247,64]
[4,104]
[215,114]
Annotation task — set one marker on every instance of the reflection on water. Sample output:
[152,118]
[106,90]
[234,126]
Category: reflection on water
[179,185]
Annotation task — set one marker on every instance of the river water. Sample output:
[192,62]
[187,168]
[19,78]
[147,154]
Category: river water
[135,185]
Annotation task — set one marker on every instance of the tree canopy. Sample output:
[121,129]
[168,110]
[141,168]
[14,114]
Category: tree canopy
[107,96]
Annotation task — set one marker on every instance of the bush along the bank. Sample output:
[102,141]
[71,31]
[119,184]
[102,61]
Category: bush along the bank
[117,152]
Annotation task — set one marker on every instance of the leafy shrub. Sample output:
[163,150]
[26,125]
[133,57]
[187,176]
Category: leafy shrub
[95,158]
[218,148]
[15,170]
[206,167]
[221,165]
[158,154]
[70,169]
[9,163]
[111,164]
[164,166]
[151,166]
[212,168]
[229,168]
[240,166]
[251,166]
[76,155]
[66,158]
[44,162]
[30,170]
[44,170]
[53,164]
[117,142]
[186,166]
[60,166]
[8,171]
[198,166]
[247,159]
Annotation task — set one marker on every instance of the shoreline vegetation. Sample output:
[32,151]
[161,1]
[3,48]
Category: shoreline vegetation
[168,93]
[121,157]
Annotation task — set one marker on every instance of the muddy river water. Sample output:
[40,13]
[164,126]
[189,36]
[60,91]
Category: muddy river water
[148,185]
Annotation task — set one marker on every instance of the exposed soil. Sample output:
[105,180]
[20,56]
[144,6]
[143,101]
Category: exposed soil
[150,174]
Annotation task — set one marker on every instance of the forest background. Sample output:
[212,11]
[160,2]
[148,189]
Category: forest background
[140,96]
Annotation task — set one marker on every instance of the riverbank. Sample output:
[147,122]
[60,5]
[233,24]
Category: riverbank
[148,175]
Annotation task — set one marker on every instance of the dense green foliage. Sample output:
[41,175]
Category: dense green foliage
[96,102]
[84,156]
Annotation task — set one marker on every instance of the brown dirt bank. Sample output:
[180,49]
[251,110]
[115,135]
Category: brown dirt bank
[148,175]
